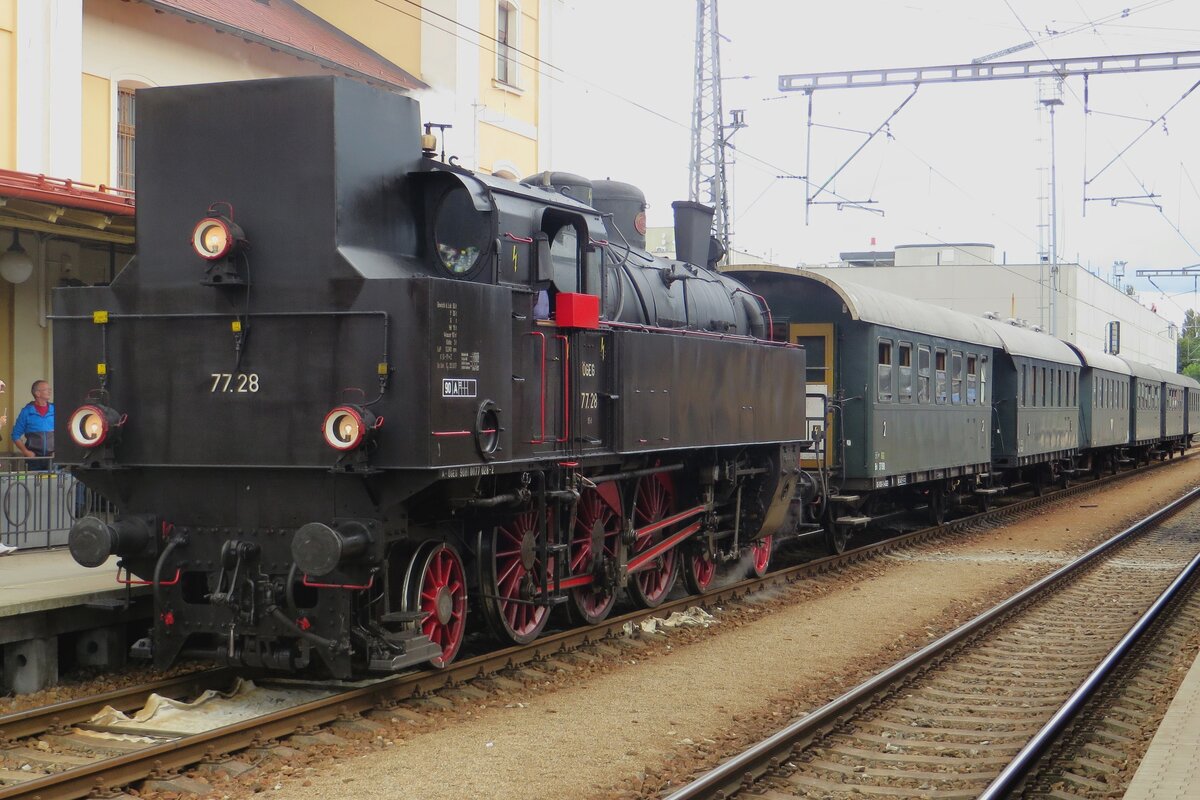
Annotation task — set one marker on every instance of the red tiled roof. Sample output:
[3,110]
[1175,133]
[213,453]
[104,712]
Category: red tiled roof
[67,193]
[289,27]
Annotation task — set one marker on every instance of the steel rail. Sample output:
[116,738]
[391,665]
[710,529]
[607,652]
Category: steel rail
[754,761]
[1024,762]
[122,770]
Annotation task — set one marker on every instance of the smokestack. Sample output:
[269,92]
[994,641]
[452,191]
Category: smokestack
[693,229]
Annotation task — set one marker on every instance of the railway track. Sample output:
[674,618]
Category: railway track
[52,753]
[972,714]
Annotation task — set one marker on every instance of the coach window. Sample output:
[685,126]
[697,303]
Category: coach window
[1033,385]
[885,371]
[1060,377]
[1045,393]
[983,380]
[904,370]
[1023,379]
[939,369]
[956,377]
[972,379]
[923,373]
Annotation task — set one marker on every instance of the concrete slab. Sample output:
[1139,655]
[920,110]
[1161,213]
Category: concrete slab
[1170,768]
[49,579]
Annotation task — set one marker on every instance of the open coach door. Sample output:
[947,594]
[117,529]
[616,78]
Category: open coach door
[818,343]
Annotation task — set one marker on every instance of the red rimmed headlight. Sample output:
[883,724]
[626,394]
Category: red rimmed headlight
[347,427]
[215,237]
[93,425]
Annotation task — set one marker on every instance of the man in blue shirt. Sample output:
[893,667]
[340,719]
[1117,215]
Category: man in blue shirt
[33,432]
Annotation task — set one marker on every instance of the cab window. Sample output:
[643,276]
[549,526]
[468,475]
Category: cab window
[564,253]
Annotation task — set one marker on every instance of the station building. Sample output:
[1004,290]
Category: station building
[70,71]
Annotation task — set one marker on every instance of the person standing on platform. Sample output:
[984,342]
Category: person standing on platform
[33,432]
[5,549]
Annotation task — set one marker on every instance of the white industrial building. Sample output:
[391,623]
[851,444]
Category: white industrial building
[1073,304]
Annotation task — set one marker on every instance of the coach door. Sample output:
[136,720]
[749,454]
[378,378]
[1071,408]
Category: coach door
[817,341]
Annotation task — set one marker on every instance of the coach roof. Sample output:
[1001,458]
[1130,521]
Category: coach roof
[866,304]
[1144,371]
[1097,360]
[1032,344]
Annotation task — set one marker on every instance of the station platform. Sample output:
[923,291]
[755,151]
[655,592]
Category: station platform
[53,611]
[1171,767]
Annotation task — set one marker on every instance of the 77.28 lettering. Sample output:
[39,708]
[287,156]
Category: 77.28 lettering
[234,382]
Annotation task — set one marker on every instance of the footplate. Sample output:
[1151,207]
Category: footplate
[417,649]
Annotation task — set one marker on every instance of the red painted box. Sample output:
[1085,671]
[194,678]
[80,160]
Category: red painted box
[577,310]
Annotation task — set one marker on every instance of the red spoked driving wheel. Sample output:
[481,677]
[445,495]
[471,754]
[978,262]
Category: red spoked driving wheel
[436,586]
[654,499]
[594,539]
[699,570]
[510,579]
[760,556]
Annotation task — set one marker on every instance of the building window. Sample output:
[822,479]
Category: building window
[125,136]
[508,40]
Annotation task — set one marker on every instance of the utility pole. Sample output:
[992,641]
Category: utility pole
[708,183]
[1051,100]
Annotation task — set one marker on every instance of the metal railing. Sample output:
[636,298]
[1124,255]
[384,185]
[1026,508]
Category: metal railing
[39,500]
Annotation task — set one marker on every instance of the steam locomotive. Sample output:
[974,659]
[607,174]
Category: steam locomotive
[348,397]
[351,400]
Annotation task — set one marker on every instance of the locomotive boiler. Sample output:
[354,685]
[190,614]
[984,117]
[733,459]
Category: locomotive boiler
[350,400]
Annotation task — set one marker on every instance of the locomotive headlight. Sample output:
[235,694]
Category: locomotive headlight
[347,427]
[215,237]
[93,425]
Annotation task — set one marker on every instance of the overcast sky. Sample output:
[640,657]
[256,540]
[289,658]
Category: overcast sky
[961,163]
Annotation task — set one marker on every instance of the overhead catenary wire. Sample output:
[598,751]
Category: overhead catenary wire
[544,68]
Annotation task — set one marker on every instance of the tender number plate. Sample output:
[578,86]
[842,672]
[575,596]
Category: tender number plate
[234,382]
